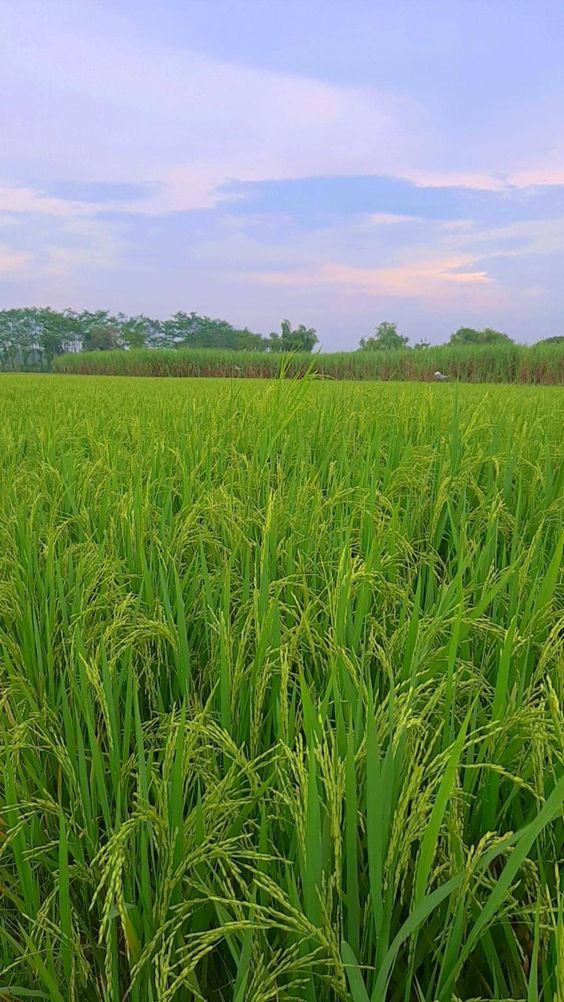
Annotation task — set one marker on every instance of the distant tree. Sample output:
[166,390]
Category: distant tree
[301,338]
[133,332]
[190,330]
[53,333]
[30,337]
[465,335]
[102,338]
[421,344]
[491,336]
[468,335]
[385,338]
[95,330]
[14,340]
[558,339]
[247,340]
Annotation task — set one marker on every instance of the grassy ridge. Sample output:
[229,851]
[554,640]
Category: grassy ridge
[543,364]
[281,694]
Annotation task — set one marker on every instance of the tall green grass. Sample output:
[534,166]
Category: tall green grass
[541,364]
[281,692]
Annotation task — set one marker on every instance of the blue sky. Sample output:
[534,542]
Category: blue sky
[337,163]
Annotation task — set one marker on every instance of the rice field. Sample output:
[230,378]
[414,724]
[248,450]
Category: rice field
[541,364]
[282,669]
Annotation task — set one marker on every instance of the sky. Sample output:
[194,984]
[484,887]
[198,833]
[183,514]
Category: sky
[335,162]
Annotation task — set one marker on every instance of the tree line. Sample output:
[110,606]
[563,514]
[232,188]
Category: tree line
[387,338]
[31,337]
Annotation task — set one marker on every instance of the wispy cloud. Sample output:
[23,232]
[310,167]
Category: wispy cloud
[13,261]
[436,280]
[15,199]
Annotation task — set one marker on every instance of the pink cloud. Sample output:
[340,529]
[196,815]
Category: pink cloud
[390,219]
[485,181]
[438,279]
[480,180]
[21,200]
[13,261]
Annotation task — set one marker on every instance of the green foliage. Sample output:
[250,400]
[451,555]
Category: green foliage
[298,339]
[487,364]
[103,338]
[281,693]
[32,338]
[136,332]
[467,336]
[552,340]
[385,338]
[190,330]
[42,338]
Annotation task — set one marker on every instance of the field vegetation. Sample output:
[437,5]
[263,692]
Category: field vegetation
[496,363]
[188,344]
[281,692]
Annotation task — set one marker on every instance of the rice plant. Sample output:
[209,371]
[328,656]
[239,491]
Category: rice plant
[282,670]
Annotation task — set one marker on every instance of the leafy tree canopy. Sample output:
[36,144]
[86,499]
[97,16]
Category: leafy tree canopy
[467,335]
[190,330]
[102,338]
[31,337]
[385,338]
[301,338]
